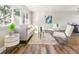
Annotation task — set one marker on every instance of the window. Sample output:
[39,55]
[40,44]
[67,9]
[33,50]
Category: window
[5,14]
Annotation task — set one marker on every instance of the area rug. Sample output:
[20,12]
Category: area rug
[46,39]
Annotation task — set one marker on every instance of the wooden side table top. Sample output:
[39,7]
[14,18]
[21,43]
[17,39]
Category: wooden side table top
[11,40]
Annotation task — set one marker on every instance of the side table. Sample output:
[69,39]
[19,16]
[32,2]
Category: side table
[12,40]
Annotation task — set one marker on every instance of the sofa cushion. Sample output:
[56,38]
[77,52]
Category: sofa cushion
[59,34]
[22,29]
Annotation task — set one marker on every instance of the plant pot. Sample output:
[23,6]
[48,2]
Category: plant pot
[11,33]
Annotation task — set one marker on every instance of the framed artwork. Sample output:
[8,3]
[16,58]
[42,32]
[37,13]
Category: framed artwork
[48,19]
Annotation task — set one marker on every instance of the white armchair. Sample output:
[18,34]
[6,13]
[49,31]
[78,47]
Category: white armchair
[64,35]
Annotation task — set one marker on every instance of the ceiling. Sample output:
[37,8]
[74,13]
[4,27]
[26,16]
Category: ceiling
[50,8]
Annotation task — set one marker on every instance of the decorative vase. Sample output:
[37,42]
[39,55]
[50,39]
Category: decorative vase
[11,33]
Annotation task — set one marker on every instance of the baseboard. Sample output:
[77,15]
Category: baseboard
[2,49]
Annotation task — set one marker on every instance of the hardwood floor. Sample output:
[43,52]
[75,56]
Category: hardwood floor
[71,48]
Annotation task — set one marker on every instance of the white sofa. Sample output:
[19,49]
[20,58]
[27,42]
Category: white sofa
[30,32]
[25,33]
[22,30]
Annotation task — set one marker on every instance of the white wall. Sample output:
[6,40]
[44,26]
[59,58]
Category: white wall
[75,19]
[61,18]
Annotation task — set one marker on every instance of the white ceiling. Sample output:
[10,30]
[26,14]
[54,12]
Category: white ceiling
[50,8]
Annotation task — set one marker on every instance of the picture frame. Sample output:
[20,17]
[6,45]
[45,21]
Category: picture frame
[48,19]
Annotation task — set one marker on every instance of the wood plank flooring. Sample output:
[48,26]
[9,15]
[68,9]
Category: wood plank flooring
[46,49]
[71,48]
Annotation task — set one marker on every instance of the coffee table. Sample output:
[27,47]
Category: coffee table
[46,39]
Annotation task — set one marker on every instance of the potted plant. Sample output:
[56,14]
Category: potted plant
[11,28]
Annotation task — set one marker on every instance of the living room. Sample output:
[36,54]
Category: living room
[35,28]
